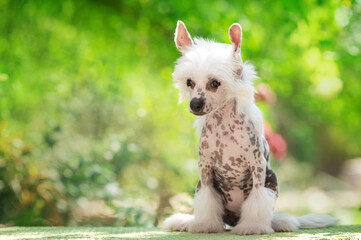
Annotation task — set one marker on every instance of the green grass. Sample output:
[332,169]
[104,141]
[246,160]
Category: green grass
[337,232]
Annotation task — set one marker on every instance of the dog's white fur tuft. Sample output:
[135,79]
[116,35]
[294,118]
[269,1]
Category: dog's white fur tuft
[178,222]
[256,213]
[314,220]
[208,211]
[285,223]
[290,223]
[207,216]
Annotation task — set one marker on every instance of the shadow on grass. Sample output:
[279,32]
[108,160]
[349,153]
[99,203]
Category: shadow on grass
[338,232]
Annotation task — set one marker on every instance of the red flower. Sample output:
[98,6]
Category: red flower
[277,143]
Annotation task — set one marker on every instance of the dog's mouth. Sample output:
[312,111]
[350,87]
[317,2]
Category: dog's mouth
[198,113]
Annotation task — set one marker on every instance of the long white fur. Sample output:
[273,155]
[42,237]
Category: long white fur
[207,216]
[315,220]
[290,223]
[285,223]
[256,212]
[208,211]
[178,222]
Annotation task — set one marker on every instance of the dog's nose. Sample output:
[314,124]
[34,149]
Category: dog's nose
[197,104]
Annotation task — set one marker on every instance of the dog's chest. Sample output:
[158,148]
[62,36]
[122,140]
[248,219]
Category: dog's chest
[226,145]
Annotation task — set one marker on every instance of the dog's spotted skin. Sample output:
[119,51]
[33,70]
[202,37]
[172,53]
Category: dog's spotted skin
[231,159]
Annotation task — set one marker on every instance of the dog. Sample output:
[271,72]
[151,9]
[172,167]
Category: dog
[237,186]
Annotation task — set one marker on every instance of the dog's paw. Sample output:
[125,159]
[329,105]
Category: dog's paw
[205,227]
[178,222]
[252,229]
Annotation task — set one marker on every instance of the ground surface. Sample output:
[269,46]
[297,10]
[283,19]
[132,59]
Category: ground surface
[338,232]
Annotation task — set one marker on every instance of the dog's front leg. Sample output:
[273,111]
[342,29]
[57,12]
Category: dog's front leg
[208,206]
[257,209]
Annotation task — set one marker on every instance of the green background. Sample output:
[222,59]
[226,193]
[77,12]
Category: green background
[91,132]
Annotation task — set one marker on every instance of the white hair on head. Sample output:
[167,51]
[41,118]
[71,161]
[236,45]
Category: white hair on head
[205,54]
[206,57]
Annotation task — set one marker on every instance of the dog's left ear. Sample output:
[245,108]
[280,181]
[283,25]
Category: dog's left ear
[235,35]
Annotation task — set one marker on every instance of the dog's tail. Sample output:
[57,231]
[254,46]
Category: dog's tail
[178,222]
[290,223]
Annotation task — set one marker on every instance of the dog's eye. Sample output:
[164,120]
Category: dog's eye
[189,83]
[215,84]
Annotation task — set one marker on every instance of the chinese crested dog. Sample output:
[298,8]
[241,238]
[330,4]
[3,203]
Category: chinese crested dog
[237,186]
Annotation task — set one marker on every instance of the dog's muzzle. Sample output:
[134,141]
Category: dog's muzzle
[197,105]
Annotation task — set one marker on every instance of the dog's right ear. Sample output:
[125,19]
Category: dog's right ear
[182,38]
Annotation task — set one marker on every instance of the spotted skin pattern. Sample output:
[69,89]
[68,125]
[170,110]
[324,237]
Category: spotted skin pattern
[233,159]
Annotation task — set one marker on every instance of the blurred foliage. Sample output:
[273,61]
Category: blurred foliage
[88,113]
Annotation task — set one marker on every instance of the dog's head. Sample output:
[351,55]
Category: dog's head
[209,74]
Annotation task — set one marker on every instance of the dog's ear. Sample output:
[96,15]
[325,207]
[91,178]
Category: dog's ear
[182,38]
[235,35]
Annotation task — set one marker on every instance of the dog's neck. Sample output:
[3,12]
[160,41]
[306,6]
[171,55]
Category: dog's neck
[226,111]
